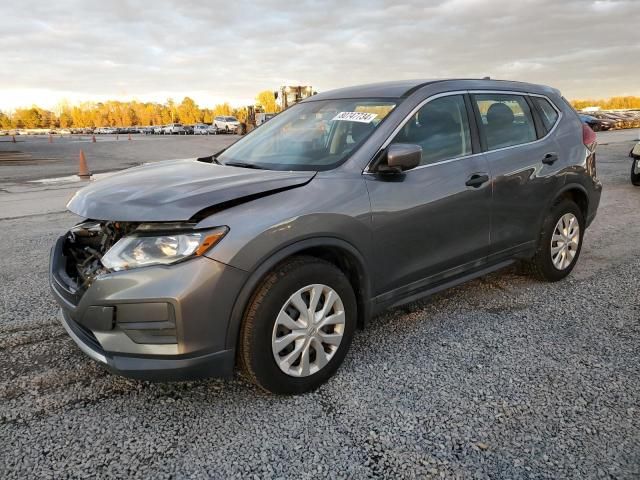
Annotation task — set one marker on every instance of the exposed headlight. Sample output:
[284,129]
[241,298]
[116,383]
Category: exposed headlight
[141,250]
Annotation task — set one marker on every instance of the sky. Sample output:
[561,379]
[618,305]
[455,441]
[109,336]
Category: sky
[216,51]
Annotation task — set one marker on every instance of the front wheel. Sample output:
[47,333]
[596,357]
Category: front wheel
[298,326]
[560,242]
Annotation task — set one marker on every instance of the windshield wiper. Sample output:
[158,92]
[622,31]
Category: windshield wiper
[209,159]
[244,165]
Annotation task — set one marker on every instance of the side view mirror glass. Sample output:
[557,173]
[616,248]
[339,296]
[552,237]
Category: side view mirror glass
[401,157]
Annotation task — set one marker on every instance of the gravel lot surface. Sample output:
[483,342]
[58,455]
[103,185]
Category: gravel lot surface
[504,377]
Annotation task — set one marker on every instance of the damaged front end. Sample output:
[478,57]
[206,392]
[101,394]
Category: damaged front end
[93,248]
[131,318]
[85,245]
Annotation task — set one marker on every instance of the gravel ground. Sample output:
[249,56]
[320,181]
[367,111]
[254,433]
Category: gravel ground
[503,377]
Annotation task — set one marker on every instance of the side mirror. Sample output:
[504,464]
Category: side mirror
[401,157]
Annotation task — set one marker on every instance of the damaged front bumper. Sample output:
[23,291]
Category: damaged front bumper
[155,322]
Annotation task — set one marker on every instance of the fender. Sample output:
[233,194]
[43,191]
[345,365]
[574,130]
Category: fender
[243,298]
[563,189]
[571,186]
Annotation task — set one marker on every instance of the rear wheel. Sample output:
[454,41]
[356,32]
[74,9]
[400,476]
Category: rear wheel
[635,172]
[560,242]
[298,326]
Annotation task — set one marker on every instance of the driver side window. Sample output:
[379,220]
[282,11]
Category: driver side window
[441,128]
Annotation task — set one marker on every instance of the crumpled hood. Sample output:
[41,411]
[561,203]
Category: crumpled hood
[175,190]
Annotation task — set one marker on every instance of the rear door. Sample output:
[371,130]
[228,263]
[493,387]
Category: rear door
[431,222]
[524,160]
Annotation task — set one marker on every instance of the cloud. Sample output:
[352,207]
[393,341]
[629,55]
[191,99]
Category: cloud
[214,51]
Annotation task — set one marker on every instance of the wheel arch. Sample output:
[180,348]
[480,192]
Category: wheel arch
[578,194]
[339,252]
[573,191]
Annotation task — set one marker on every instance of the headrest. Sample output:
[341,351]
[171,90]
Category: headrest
[359,130]
[499,115]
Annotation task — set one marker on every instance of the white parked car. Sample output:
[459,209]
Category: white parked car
[106,130]
[226,124]
[157,129]
[173,128]
[204,129]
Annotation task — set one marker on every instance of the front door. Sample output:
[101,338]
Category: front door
[431,222]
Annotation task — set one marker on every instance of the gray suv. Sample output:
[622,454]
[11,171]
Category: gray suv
[268,255]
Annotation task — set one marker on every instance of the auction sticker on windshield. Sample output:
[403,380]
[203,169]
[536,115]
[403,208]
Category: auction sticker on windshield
[362,117]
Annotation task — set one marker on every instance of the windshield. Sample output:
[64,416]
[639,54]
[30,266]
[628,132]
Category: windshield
[231,119]
[316,135]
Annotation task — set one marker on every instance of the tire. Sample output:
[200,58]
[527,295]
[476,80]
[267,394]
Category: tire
[260,329]
[635,177]
[542,265]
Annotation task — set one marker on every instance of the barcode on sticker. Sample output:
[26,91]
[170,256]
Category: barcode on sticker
[362,117]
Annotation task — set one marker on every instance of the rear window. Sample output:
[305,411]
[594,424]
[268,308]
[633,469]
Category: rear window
[506,120]
[548,114]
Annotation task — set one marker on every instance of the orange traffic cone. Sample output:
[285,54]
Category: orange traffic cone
[129,137]
[50,139]
[13,139]
[93,138]
[83,170]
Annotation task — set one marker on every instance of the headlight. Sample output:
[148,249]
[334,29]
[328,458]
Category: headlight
[139,250]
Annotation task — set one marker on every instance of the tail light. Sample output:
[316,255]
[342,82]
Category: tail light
[588,137]
[590,141]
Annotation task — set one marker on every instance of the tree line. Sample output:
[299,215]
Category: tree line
[613,103]
[126,114]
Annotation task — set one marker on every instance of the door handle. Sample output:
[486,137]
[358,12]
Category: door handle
[476,180]
[550,158]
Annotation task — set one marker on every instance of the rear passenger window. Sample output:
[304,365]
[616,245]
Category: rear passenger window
[441,128]
[549,114]
[506,120]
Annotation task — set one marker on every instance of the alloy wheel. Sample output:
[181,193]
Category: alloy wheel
[308,330]
[565,241]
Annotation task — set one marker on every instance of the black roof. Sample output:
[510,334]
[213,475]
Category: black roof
[404,88]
